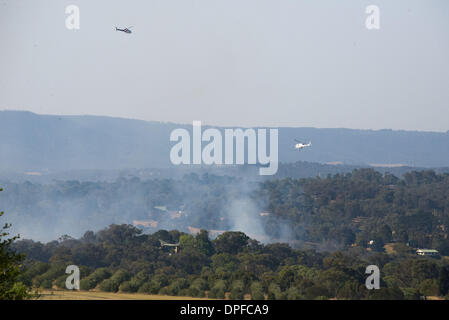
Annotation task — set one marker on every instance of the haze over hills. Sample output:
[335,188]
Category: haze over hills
[68,174]
[48,143]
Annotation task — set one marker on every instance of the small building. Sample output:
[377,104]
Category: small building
[427,252]
[145,223]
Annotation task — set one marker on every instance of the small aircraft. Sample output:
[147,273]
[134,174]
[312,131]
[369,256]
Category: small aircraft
[126,30]
[166,244]
[300,145]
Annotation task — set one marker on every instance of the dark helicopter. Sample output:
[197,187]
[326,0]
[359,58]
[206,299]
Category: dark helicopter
[126,30]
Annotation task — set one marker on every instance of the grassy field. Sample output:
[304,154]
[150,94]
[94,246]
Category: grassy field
[96,295]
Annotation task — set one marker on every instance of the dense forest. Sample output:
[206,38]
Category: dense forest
[333,227]
[121,258]
[365,205]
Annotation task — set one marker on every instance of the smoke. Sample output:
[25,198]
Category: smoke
[243,215]
[247,213]
[44,212]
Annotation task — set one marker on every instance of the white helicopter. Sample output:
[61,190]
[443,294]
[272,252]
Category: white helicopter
[300,145]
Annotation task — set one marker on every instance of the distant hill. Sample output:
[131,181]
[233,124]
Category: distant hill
[44,143]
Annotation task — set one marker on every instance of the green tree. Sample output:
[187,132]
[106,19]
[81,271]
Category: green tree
[317,291]
[257,291]
[94,279]
[293,293]
[237,290]
[10,262]
[231,242]
[187,241]
[198,287]
[113,283]
[443,281]
[204,245]
[274,292]
[218,290]
[429,287]
[110,285]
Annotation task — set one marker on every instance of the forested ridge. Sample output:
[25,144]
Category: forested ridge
[39,143]
[365,205]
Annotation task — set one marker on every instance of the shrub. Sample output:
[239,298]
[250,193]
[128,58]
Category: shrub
[109,285]
[163,291]
[126,287]
[316,291]
[197,288]
[429,287]
[36,268]
[46,284]
[87,284]
[237,290]
[293,293]
[274,292]
[218,290]
[120,276]
[257,291]
[176,286]
[94,279]
[194,291]
[49,276]
[145,288]
[135,283]
[60,282]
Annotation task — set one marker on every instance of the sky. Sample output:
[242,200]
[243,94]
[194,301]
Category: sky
[231,63]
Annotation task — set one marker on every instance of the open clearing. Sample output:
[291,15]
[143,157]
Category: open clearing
[95,295]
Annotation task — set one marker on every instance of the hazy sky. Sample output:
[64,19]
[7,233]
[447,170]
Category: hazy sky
[231,62]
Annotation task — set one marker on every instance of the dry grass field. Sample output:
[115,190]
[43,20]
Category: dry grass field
[96,295]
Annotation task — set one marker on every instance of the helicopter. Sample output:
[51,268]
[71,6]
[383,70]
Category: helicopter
[300,145]
[126,30]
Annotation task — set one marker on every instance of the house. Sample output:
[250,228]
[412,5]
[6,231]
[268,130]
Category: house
[427,252]
[145,223]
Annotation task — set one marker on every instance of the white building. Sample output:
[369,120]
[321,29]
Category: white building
[427,252]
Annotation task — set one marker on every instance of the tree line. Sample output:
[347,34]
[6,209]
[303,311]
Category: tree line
[121,258]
